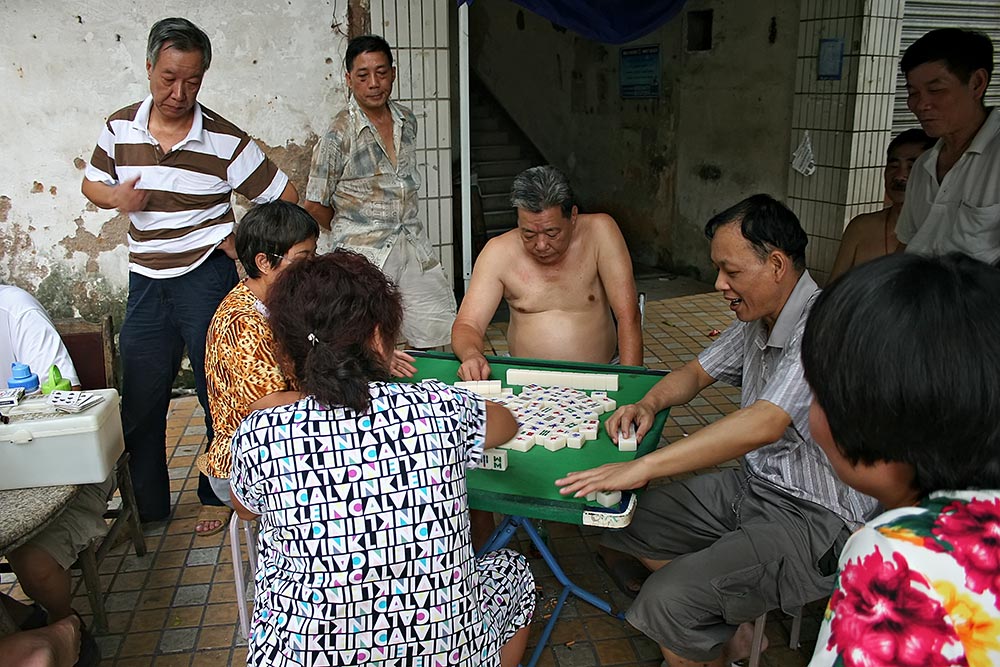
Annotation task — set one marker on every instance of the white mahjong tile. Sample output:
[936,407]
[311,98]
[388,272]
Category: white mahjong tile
[609,498]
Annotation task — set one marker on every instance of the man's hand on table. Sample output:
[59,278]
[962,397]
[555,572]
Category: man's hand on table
[638,416]
[401,365]
[608,477]
[474,368]
[614,476]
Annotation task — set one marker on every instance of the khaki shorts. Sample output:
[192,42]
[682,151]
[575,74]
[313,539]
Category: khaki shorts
[428,296]
[81,523]
[738,547]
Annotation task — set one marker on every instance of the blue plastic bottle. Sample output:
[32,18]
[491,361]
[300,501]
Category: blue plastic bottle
[21,376]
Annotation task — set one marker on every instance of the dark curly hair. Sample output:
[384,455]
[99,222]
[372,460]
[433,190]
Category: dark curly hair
[324,313]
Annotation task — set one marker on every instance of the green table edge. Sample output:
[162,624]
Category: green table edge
[542,509]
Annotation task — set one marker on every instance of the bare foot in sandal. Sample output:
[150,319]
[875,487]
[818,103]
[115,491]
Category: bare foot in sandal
[212,519]
[627,573]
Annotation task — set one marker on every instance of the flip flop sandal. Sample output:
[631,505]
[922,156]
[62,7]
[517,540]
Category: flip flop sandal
[90,652]
[219,513]
[625,571]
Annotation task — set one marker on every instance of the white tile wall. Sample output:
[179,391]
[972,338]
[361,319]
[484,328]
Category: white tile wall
[848,120]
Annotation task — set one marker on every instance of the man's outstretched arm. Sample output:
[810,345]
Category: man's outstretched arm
[615,269]
[732,436]
[676,388]
[478,306]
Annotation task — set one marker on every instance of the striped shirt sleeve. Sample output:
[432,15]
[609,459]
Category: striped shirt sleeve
[723,359]
[253,175]
[101,168]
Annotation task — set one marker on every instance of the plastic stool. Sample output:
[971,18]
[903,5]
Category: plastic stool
[758,636]
[241,589]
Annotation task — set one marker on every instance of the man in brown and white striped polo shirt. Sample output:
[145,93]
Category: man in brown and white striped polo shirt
[171,165]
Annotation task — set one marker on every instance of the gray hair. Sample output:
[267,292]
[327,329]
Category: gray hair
[540,188]
[182,35]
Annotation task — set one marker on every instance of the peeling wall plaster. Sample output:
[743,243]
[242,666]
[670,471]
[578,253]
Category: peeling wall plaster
[66,66]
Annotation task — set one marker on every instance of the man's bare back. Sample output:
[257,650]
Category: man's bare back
[561,294]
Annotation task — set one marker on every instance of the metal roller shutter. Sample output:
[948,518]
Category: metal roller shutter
[920,17]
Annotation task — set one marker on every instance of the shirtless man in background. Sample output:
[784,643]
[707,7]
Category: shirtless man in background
[872,235]
[563,273]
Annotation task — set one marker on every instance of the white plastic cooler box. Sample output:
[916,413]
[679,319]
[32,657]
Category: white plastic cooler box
[43,447]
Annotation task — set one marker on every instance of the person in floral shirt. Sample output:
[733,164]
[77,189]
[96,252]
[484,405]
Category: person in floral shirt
[903,356]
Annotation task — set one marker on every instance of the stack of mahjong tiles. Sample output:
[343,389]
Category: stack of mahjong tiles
[554,417]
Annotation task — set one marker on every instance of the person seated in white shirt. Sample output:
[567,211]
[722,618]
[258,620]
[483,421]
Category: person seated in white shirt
[28,336]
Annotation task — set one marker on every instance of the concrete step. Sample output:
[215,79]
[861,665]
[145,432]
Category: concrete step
[500,220]
[485,124]
[497,152]
[496,185]
[506,168]
[481,110]
[496,202]
[489,138]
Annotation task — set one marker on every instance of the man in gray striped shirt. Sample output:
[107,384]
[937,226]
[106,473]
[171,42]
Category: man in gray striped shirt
[171,165]
[725,547]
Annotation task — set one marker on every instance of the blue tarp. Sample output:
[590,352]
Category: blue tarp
[605,21]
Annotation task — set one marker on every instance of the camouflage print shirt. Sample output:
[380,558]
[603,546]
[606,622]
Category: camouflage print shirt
[374,201]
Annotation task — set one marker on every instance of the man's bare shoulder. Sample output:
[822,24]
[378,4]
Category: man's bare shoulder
[600,233]
[866,224]
[500,251]
[597,220]
[601,225]
[502,243]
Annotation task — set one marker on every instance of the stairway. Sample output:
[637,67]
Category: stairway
[500,151]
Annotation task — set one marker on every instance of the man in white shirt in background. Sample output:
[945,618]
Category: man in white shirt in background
[953,196]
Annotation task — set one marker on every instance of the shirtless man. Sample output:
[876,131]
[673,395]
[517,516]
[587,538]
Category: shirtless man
[872,235]
[562,272]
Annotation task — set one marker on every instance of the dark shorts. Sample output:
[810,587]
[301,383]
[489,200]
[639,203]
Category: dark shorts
[738,547]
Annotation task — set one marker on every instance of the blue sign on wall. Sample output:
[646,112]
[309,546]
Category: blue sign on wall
[830,63]
[639,72]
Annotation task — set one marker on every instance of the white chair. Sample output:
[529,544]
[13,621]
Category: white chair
[758,636]
[250,530]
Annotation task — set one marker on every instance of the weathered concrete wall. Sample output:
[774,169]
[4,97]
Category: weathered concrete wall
[718,132]
[277,72]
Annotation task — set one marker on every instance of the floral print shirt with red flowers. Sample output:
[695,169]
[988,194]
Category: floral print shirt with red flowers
[919,586]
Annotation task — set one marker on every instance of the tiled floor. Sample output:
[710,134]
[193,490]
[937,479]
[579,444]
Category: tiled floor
[176,605]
